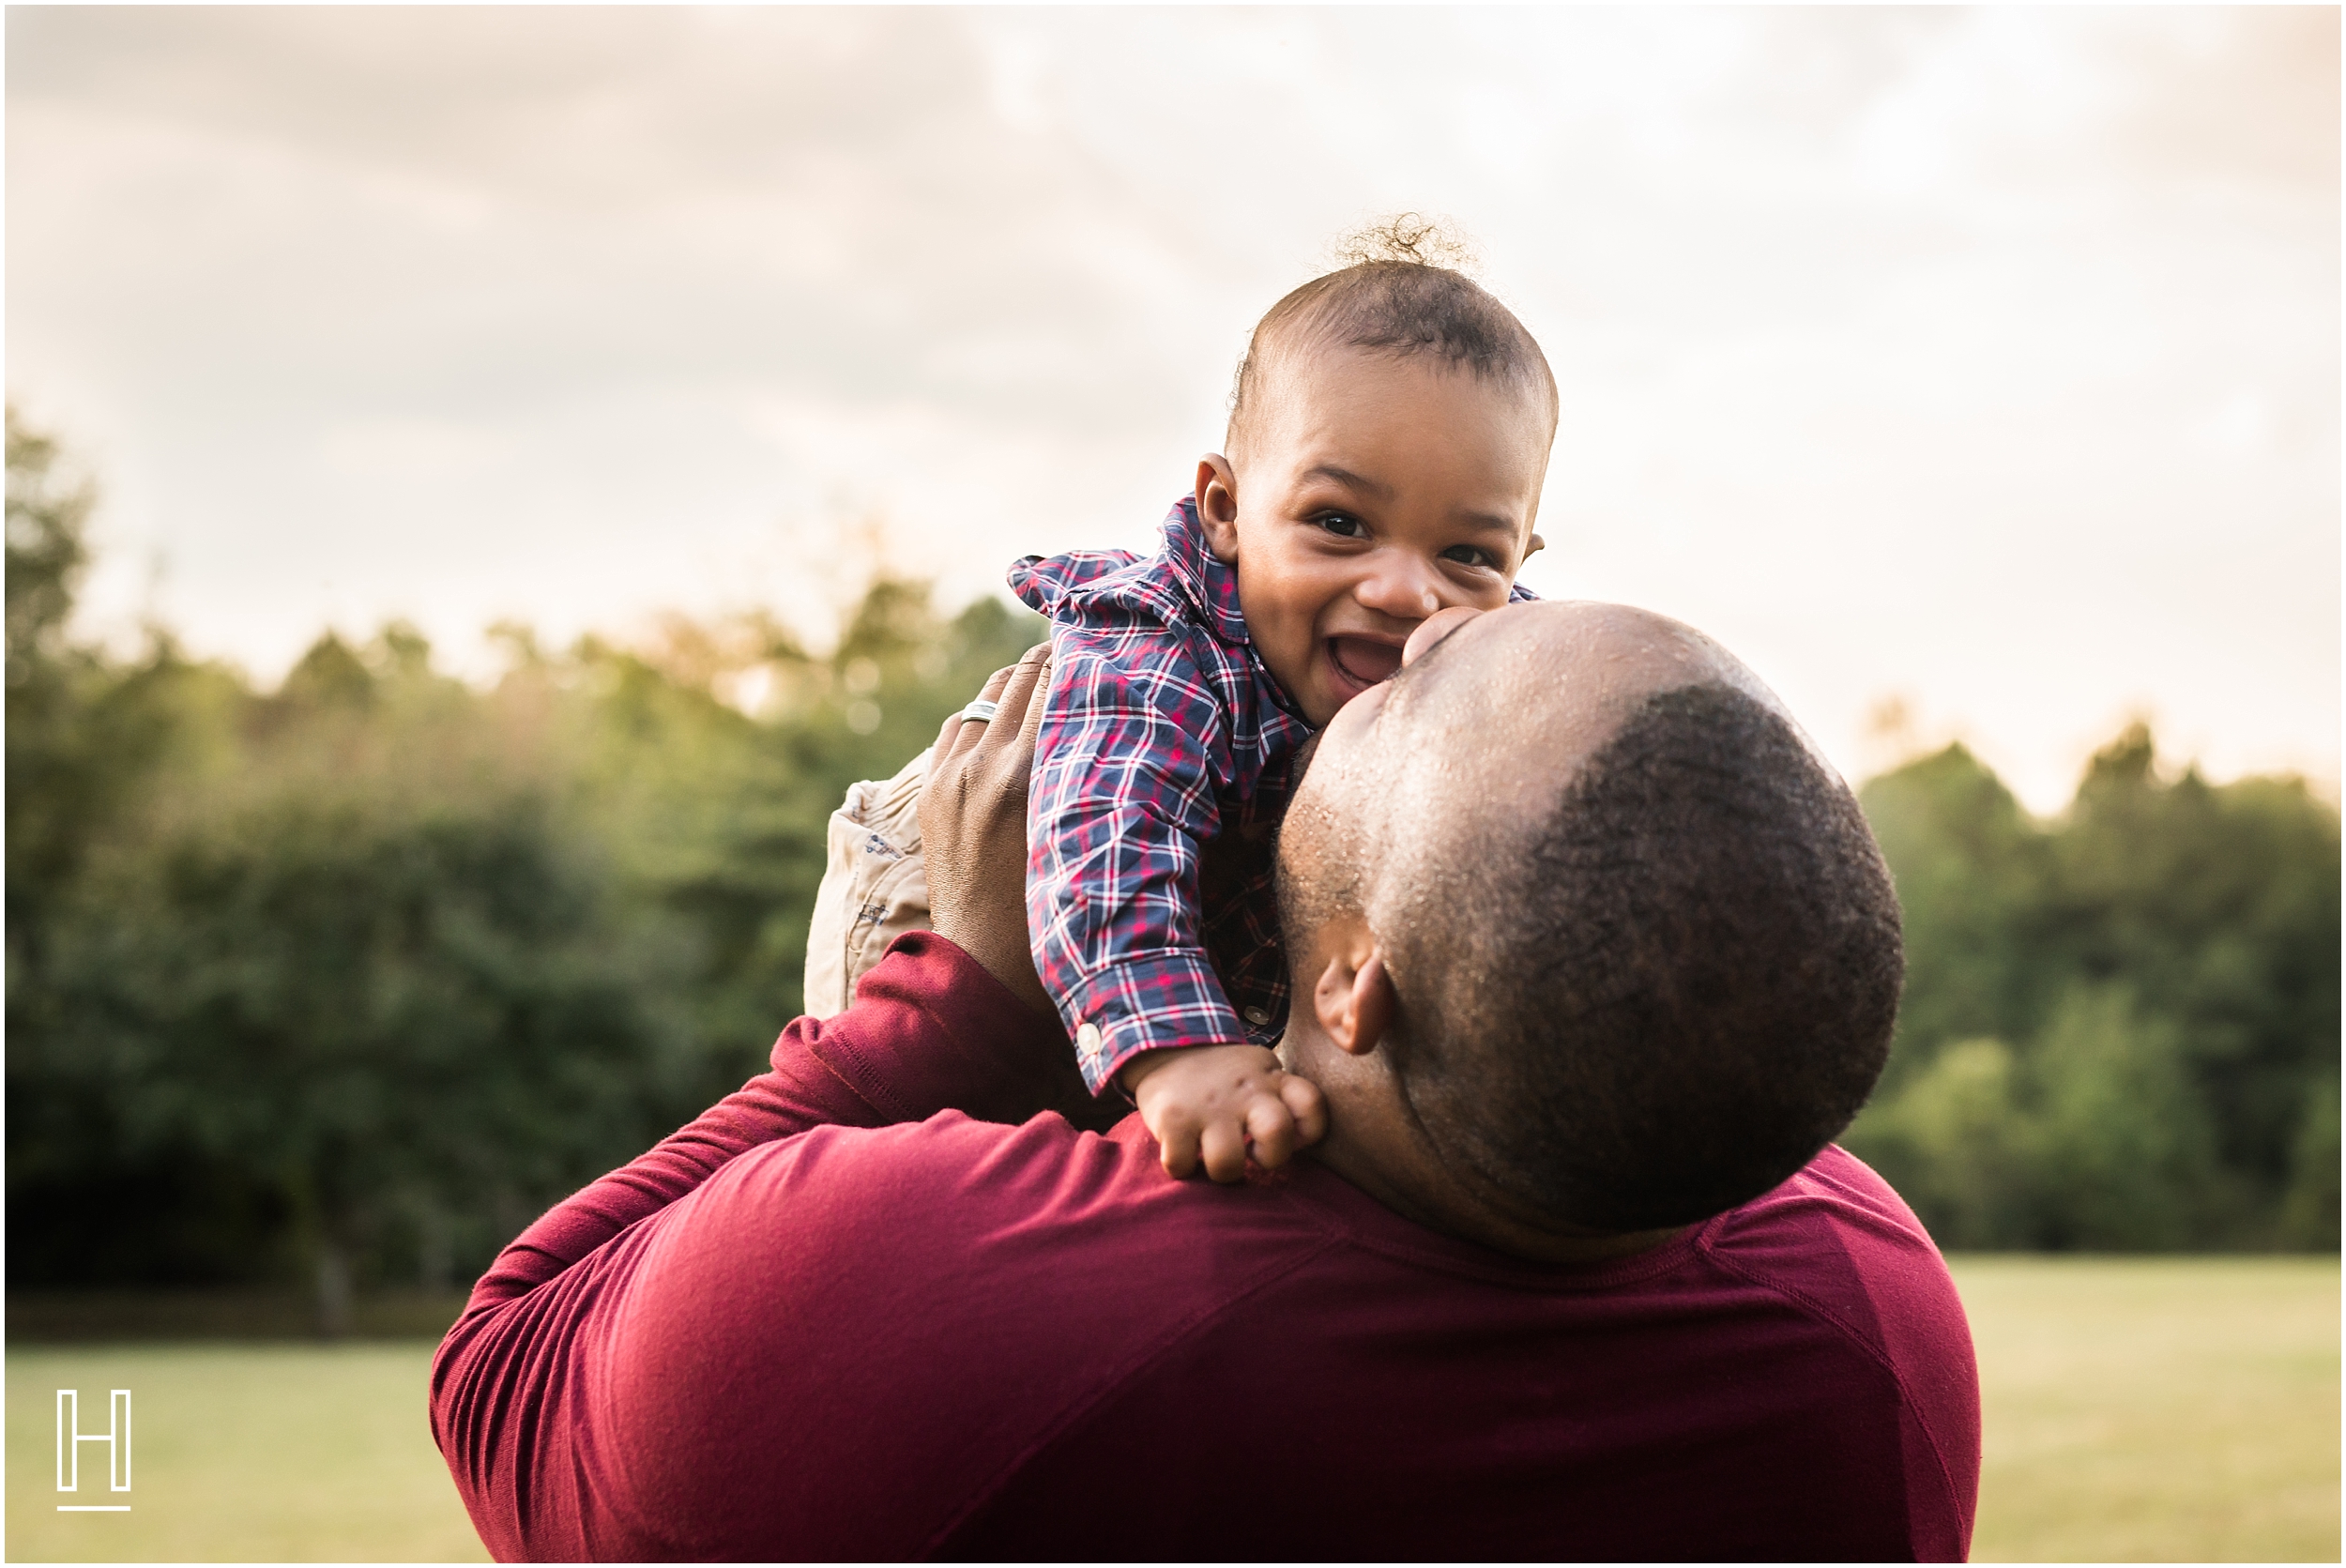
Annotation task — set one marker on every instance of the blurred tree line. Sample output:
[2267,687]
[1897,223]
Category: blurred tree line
[2120,1029]
[346,979]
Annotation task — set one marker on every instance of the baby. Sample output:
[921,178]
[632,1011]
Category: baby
[1384,459]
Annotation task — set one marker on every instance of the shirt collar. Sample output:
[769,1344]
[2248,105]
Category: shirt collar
[1211,584]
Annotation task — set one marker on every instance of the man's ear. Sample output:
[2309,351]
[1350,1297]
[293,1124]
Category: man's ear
[1217,505]
[1355,1005]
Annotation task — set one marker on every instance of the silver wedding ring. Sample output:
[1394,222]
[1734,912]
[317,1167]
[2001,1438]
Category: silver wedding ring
[981,710]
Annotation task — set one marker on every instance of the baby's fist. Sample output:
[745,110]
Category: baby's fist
[1214,1103]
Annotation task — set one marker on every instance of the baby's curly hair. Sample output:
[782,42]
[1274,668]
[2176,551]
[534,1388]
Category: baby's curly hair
[1407,236]
[1400,287]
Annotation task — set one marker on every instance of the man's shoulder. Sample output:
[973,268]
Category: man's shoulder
[1835,1239]
[1837,1246]
[858,1328]
[1091,1212]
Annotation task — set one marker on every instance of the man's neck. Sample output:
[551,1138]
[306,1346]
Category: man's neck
[1416,1184]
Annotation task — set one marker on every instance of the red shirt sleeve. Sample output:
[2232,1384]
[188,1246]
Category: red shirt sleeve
[930,1032]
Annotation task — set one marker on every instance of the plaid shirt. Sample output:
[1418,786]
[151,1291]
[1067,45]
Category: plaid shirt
[1161,726]
[1163,730]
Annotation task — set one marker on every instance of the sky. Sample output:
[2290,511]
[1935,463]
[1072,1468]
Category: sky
[1972,373]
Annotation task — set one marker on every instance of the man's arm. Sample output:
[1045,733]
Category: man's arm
[930,1030]
[934,1026]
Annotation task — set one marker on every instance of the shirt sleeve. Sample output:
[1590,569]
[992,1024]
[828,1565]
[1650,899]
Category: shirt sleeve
[1123,793]
[930,1032]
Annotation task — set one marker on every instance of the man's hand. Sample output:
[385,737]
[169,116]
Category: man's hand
[974,826]
[1213,1102]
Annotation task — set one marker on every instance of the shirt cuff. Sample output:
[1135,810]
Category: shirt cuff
[931,1031]
[1165,1001]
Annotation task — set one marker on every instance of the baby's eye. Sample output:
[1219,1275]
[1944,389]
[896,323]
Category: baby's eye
[1468,554]
[1342,524]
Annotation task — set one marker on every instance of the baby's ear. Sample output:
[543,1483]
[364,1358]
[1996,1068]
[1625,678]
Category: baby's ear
[1217,505]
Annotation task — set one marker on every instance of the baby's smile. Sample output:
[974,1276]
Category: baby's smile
[1360,663]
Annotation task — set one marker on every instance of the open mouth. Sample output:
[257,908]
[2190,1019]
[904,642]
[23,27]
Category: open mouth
[1361,662]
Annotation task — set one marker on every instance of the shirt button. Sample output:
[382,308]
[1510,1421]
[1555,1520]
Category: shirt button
[1088,1041]
[1259,1015]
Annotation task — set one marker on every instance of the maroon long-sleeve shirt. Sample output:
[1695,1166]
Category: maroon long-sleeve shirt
[871,1307]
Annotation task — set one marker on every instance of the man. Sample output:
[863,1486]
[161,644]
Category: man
[1592,955]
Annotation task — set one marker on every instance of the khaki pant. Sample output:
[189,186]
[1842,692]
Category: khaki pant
[876,886]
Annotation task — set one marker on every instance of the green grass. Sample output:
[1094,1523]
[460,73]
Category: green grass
[2157,1409]
[2136,1409]
[241,1452]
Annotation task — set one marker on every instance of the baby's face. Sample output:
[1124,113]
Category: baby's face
[1372,491]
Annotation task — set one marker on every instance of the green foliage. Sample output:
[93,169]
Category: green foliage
[1972,870]
[2126,1145]
[346,978]
[45,517]
[2121,1028]
[1958,1145]
[349,977]
[2310,1209]
[80,731]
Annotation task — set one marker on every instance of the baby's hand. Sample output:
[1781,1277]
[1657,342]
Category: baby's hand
[1211,1101]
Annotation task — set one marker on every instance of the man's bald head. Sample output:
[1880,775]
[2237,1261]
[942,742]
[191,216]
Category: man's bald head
[1645,950]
